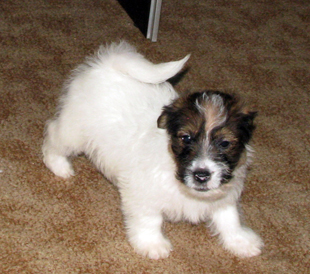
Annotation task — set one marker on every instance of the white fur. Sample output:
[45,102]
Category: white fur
[109,112]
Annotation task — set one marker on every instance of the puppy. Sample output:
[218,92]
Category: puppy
[171,158]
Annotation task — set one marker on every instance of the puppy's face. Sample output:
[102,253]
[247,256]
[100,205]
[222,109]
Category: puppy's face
[208,134]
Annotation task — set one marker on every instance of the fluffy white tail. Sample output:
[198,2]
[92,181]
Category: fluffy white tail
[124,58]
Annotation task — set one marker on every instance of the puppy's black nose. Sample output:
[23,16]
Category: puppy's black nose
[202,176]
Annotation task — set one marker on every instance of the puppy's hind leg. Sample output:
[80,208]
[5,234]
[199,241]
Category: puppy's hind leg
[56,150]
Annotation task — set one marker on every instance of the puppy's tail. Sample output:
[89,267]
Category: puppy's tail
[125,59]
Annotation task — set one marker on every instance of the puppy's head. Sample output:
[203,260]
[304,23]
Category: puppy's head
[208,133]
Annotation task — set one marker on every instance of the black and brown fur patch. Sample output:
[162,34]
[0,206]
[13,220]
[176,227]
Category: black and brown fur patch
[208,123]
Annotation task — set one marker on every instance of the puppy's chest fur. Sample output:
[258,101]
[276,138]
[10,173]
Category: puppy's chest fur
[181,207]
[177,203]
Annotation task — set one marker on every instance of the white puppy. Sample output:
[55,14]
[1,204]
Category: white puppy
[171,158]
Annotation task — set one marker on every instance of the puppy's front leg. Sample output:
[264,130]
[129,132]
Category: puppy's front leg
[144,231]
[240,240]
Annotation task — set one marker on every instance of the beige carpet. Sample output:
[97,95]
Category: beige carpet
[259,49]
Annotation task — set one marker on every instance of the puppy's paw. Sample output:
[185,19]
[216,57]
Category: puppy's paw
[244,243]
[59,165]
[154,248]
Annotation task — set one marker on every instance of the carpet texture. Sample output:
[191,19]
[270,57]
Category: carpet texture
[258,49]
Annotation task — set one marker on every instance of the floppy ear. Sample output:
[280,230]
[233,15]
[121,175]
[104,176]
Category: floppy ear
[168,115]
[162,120]
[246,125]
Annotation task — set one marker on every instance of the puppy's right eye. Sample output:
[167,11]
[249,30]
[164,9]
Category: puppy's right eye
[186,139]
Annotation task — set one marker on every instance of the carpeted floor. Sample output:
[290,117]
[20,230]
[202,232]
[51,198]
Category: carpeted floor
[258,49]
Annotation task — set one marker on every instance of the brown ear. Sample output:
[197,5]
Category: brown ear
[246,125]
[162,120]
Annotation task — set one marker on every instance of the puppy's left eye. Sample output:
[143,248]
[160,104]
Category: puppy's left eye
[187,139]
[224,144]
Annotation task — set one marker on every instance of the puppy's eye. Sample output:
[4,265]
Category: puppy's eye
[224,144]
[187,139]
